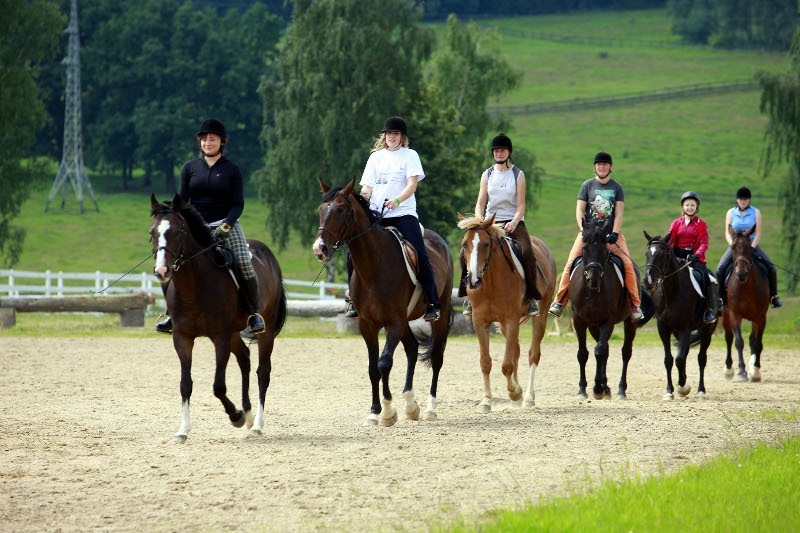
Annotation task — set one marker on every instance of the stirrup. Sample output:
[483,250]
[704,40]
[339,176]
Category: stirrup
[467,308]
[432,314]
[556,309]
[255,324]
[776,301]
[533,307]
[636,313]
[350,311]
[709,317]
[165,326]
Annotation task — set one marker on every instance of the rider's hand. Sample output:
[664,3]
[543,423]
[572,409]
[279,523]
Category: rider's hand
[691,258]
[612,237]
[223,231]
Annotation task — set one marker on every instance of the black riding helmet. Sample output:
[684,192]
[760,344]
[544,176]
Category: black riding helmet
[743,192]
[214,126]
[502,141]
[690,194]
[395,124]
[603,157]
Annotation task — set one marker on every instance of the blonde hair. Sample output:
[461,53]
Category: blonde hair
[380,142]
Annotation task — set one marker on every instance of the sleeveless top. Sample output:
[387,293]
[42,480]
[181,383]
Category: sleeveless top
[743,221]
[502,189]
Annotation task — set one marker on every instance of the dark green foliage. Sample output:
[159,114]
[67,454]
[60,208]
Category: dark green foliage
[29,33]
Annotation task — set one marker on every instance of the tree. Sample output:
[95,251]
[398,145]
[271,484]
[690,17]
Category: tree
[29,35]
[780,100]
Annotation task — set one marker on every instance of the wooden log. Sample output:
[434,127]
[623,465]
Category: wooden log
[307,308]
[131,307]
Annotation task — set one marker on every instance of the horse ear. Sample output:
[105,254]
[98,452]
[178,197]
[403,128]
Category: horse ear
[667,236]
[153,201]
[489,221]
[647,236]
[177,203]
[323,187]
[460,216]
[750,231]
[730,231]
[348,189]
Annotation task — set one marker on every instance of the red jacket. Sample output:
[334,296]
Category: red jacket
[694,236]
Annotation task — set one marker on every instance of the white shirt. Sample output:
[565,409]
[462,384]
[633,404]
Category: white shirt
[387,173]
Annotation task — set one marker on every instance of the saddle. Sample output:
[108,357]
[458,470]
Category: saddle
[619,268]
[412,264]
[726,274]
[697,280]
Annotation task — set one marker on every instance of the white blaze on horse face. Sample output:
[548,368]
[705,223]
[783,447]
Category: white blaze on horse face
[317,248]
[161,259]
[472,264]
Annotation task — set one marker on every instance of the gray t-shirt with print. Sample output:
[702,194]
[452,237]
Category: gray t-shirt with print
[601,200]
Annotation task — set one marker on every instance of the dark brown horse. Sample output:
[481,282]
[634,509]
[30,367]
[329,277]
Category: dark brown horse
[385,296]
[679,312]
[747,298]
[599,301]
[204,302]
[496,289]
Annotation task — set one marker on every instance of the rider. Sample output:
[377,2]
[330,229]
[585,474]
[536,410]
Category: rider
[212,183]
[389,182]
[688,234]
[603,199]
[741,218]
[503,187]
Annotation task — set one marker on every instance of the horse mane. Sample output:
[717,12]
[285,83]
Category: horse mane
[197,225]
[473,221]
[363,202]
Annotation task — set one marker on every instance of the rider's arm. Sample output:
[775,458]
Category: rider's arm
[580,211]
[757,235]
[405,194]
[483,196]
[728,236]
[366,192]
[619,211]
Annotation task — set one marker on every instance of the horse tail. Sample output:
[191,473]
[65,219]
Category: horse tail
[648,308]
[426,343]
[280,318]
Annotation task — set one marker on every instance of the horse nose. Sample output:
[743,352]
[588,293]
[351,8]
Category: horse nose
[320,250]
[162,273]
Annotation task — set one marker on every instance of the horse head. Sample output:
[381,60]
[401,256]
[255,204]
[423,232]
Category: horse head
[660,258]
[742,252]
[595,254]
[477,246]
[343,215]
[177,229]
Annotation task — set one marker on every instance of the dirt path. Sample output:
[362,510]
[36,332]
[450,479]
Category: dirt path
[86,427]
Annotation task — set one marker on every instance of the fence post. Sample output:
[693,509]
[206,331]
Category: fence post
[48,282]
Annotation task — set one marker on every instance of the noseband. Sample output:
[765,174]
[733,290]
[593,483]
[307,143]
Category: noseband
[596,265]
[350,217]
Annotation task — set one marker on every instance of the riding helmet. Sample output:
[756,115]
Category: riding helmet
[603,157]
[395,124]
[743,192]
[502,141]
[690,194]
[214,126]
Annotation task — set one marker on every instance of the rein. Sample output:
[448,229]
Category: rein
[661,274]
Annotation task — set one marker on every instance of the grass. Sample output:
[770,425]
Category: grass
[750,490]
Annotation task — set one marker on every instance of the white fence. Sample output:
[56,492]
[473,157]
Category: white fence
[49,283]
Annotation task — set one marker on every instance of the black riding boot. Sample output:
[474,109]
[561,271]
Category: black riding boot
[350,311]
[165,326]
[773,286]
[255,322]
[709,317]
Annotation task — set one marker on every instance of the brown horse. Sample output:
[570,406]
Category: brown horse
[496,290]
[204,302]
[386,297]
[599,301]
[679,312]
[748,298]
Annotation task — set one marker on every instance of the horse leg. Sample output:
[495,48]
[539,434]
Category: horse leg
[411,347]
[222,348]
[739,342]
[627,352]
[183,346]
[728,342]
[369,333]
[266,342]
[511,361]
[601,389]
[242,354]
[482,332]
[440,331]
[583,357]
[680,361]
[534,355]
[756,346]
[702,357]
[664,333]
[385,363]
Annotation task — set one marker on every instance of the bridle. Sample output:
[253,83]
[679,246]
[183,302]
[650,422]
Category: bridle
[488,257]
[350,217]
[596,265]
[742,258]
[662,274]
[178,256]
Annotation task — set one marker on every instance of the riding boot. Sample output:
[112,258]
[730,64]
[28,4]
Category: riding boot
[773,286]
[255,322]
[165,326]
[350,310]
[709,317]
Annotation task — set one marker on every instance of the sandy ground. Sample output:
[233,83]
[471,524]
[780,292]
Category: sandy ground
[86,436]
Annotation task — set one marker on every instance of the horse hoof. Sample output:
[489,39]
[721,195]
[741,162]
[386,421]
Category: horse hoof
[179,438]
[528,404]
[755,376]
[669,396]
[390,420]
[701,395]
[238,419]
[517,404]
[412,411]
[484,408]
[248,419]
[582,396]
[729,373]
[254,434]
[599,396]
[684,391]
[741,378]
[621,396]
[516,396]
[371,420]
[431,416]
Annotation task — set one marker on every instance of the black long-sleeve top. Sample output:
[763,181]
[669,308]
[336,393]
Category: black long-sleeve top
[217,191]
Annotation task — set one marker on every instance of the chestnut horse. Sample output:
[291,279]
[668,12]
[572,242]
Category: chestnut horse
[204,302]
[679,312]
[386,298]
[599,301]
[496,290]
[748,298]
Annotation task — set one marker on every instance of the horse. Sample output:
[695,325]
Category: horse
[382,290]
[679,312]
[497,294]
[204,302]
[747,298]
[598,304]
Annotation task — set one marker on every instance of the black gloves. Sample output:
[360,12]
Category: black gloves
[612,237]
[691,258]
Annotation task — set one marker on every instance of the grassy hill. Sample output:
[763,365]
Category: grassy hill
[711,144]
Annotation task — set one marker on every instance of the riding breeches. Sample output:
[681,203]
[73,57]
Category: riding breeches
[620,249]
[760,255]
[408,226]
[237,244]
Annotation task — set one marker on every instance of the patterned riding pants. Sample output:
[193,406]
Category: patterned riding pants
[237,244]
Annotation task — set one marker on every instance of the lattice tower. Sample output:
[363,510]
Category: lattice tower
[72,159]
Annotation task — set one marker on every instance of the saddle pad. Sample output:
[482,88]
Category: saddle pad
[616,261]
[410,258]
[697,281]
